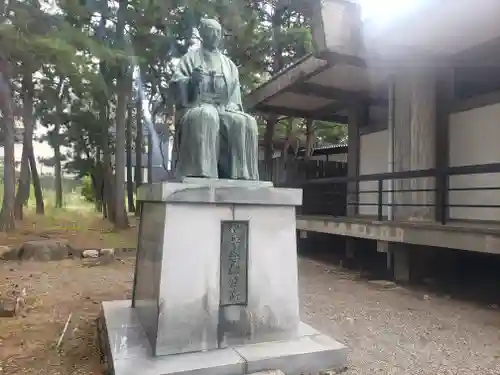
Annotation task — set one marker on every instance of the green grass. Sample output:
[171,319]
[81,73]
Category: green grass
[77,221]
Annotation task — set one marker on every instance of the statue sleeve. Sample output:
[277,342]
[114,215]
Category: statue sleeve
[235,92]
[180,82]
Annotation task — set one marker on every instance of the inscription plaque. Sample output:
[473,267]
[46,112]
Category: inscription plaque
[234,263]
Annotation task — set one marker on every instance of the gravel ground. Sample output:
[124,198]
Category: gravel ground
[390,331]
[398,331]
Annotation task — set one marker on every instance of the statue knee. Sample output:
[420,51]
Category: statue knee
[204,116]
[251,124]
[208,113]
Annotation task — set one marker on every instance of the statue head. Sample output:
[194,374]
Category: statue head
[210,33]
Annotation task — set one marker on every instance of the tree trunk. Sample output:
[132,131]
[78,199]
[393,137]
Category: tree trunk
[29,127]
[124,86]
[268,146]
[23,191]
[97,182]
[309,138]
[58,173]
[7,221]
[288,138]
[107,193]
[56,145]
[150,158]
[107,182]
[139,140]
[107,173]
[23,188]
[40,207]
[130,182]
[121,220]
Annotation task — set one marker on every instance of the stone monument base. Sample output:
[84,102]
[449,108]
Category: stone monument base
[215,286]
[127,351]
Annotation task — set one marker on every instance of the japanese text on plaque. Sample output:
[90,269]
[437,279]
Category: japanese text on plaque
[234,256]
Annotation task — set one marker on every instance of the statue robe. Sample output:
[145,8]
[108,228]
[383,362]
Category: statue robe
[214,137]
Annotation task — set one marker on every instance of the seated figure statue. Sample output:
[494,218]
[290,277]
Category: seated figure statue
[214,137]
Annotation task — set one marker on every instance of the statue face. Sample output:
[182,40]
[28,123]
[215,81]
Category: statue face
[210,33]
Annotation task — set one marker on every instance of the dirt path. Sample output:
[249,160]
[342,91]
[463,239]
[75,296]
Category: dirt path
[389,331]
[54,290]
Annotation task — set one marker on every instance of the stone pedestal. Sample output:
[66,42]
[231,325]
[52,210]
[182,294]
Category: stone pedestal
[216,281]
[180,268]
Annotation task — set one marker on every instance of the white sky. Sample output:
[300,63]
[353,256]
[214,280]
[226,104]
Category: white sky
[42,150]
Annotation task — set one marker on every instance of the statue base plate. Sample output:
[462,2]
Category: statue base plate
[127,351]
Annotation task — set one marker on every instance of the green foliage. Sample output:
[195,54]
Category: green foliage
[325,133]
[330,133]
[87,190]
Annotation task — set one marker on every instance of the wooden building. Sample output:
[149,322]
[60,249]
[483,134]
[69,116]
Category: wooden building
[421,97]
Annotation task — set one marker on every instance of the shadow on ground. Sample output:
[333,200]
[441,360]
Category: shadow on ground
[467,276]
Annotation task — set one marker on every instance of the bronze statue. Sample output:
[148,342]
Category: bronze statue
[214,137]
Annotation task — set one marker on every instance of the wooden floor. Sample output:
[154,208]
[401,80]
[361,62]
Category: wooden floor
[476,236]
[454,225]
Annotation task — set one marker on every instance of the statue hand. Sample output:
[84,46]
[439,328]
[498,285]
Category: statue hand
[232,107]
[197,75]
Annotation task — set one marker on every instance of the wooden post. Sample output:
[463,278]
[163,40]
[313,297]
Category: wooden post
[414,136]
[445,92]
[358,116]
